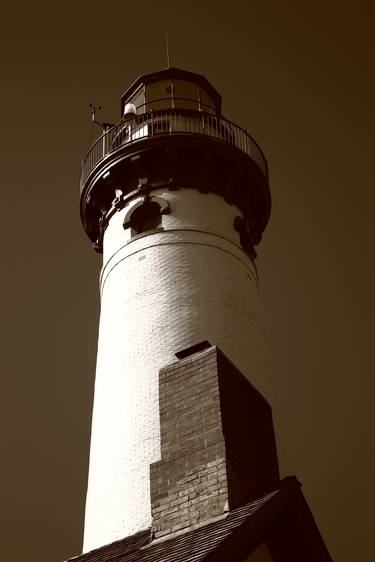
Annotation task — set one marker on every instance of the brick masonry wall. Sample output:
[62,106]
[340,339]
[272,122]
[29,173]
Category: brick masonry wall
[189,484]
[161,293]
[252,463]
[211,456]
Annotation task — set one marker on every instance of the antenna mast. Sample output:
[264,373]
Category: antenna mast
[94,109]
[167,48]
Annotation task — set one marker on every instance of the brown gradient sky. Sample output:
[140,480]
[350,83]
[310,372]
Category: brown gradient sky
[300,77]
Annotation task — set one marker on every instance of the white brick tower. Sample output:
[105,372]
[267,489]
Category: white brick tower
[176,197]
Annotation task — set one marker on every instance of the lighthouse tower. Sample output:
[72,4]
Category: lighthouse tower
[176,197]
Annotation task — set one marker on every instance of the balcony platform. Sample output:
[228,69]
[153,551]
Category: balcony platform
[175,148]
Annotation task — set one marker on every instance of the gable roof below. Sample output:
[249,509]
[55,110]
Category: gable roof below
[280,518]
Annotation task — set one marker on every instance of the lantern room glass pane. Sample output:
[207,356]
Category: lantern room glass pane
[207,103]
[186,95]
[159,95]
[138,98]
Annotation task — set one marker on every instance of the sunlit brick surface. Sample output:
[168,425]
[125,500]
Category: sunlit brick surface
[161,293]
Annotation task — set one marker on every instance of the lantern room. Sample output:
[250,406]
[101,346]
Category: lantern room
[171,88]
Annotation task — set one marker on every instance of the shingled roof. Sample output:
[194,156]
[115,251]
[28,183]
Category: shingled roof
[281,518]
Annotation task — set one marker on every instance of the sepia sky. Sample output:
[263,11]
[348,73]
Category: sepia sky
[299,76]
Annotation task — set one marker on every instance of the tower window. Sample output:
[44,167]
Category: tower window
[146,217]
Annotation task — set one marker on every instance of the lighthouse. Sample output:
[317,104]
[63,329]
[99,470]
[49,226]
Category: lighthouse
[176,198]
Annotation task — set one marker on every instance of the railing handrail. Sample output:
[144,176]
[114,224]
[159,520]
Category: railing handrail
[221,128]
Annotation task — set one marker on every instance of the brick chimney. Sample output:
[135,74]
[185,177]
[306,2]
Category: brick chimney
[217,442]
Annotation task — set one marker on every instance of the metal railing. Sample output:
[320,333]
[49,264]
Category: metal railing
[170,122]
